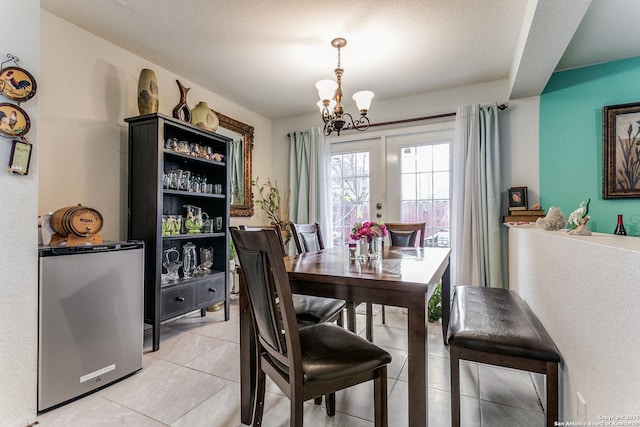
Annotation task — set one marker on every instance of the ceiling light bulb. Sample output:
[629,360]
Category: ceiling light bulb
[332,103]
[363,100]
[326,89]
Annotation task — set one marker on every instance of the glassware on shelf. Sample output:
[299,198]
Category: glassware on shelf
[171,144]
[183,147]
[193,222]
[175,176]
[185,180]
[175,222]
[172,264]
[194,149]
[206,261]
[189,259]
[217,226]
[166,226]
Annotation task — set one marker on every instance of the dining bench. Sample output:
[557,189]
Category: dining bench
[495,326]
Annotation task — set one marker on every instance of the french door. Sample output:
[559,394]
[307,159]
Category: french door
[402,175]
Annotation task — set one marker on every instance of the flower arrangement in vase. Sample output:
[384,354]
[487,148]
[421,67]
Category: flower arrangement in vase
[370,235]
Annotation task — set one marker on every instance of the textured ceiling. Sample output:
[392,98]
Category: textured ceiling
[267,55]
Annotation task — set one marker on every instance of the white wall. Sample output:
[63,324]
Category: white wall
[585,292]
[19,241]
[88,87]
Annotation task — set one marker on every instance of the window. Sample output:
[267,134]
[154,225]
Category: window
[350,192]
[424,171]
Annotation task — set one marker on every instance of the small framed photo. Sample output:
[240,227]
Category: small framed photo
[518,199]
[20,157]
[620,155]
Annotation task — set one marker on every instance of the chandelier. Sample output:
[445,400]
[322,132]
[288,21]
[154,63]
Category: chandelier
[330,103]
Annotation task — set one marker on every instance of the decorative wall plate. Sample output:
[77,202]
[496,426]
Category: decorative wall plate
[14,121]
[17,84]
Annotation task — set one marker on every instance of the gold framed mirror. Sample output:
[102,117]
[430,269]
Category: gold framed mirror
[241,196]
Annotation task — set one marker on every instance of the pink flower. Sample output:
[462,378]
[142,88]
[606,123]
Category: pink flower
[368,230]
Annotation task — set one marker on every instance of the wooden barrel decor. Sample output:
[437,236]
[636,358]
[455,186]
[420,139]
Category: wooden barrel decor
[77,220]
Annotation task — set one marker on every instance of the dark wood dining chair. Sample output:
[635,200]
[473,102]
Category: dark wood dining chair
[308,238]
[405,234]
[305,363]
[309,309]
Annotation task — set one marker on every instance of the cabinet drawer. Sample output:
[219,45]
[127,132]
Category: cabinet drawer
[210,289]
[177,301]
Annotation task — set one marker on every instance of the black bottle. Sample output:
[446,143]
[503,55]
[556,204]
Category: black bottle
[620,227]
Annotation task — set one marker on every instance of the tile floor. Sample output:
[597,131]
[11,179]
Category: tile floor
[193,379]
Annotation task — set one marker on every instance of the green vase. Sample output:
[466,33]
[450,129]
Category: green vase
[147,92]
[202,116]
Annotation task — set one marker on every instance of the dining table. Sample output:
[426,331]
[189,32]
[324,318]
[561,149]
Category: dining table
[403,277]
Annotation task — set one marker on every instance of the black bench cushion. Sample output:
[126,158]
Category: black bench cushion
[497,320]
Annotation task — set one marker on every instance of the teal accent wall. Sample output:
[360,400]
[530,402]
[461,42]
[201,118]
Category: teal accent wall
[571,141]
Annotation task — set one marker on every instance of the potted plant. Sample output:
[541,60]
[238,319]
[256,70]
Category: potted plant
[274,205]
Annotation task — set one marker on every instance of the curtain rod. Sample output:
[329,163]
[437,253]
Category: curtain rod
[417,119]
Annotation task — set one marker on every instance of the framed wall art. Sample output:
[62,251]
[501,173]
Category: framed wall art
[14,121]
[518,199]
[17,84]
[621,151]
[20,157]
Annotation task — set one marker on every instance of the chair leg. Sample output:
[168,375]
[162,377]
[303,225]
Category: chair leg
[318,400]
[340,319]
[454,355]
[552,393]
[381,415]
[384,320]
[260,389]
[369,322]
[296,416]
[330,401]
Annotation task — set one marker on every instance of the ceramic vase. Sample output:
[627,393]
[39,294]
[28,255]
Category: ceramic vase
[147,92]
[202,116]
[181,110]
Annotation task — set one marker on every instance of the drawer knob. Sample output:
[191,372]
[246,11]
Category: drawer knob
[180,299]
[213,289]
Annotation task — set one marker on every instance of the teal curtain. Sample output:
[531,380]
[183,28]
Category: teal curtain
[300,153]
[235,172]
[475,232]
[309,164]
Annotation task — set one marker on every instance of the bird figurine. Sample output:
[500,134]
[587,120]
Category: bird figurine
[15,84]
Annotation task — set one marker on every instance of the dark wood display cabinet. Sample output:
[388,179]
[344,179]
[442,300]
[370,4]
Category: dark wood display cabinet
[163,152]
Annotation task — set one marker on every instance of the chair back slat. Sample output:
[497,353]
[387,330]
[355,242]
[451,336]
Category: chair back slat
[307,237]
[406,234]
[265,227]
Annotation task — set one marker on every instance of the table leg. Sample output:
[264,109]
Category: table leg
[417,331]
[351,316]
[248,364]
[369,322]
[446,302]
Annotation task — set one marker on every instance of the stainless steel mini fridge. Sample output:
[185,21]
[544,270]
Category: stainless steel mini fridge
[90,318]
